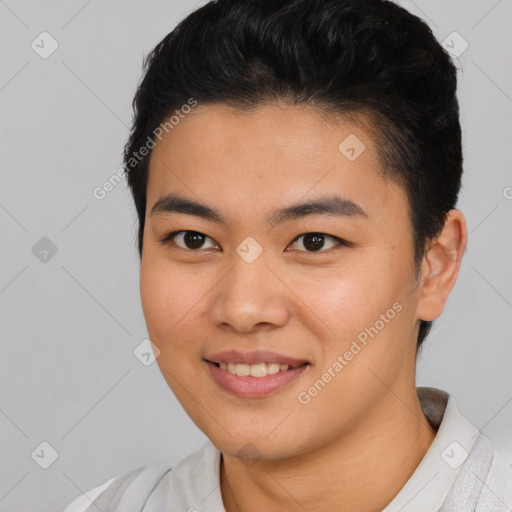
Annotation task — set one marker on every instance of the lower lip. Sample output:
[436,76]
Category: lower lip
[250,387]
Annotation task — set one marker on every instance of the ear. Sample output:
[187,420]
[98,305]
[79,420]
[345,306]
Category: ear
[440,266]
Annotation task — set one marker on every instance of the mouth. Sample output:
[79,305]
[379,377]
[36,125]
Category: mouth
[254,374]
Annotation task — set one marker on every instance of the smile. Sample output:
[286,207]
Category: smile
[254,380]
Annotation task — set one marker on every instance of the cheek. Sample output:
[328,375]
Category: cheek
[348,299]
[171,302]
[169,299]
[365,307]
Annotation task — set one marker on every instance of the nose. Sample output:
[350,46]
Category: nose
[250,297]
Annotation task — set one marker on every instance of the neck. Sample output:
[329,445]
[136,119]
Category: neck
[379,454]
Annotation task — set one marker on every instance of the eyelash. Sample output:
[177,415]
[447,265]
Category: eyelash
[167,239]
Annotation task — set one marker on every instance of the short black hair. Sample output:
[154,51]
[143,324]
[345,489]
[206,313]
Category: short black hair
[358,58]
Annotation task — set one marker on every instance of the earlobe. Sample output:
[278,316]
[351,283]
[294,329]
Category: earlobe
[440,266]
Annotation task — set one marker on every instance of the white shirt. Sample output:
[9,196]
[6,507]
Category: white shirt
[461,472]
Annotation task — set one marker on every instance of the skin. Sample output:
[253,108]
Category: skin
[365,429]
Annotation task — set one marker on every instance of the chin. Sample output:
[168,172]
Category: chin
[254,446]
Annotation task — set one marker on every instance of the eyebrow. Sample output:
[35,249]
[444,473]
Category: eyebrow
[331,205]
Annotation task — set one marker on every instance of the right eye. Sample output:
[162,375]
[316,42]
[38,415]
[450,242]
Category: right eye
[187,240]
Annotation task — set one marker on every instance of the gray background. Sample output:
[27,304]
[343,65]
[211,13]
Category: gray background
[69,325]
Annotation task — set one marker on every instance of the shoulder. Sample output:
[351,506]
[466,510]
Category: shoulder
[128,488]
[484,482]
[151,485]
[496,493]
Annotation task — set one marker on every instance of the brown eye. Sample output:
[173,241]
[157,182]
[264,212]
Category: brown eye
[191,240]
[316,242]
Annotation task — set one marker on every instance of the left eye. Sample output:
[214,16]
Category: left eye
[315,242]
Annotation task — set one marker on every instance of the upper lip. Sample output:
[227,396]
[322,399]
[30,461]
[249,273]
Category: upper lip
[254,357]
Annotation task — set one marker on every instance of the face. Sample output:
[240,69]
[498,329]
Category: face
[328,288]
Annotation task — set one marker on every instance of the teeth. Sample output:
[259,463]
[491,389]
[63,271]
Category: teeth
[272,368]
[258,370]
[254,370]
[244,370]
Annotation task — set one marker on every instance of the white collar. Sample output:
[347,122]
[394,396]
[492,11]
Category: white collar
[430,483]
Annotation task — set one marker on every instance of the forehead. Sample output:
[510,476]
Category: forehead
[272,155]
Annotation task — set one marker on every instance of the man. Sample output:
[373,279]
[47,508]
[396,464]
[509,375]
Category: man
[295,166]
